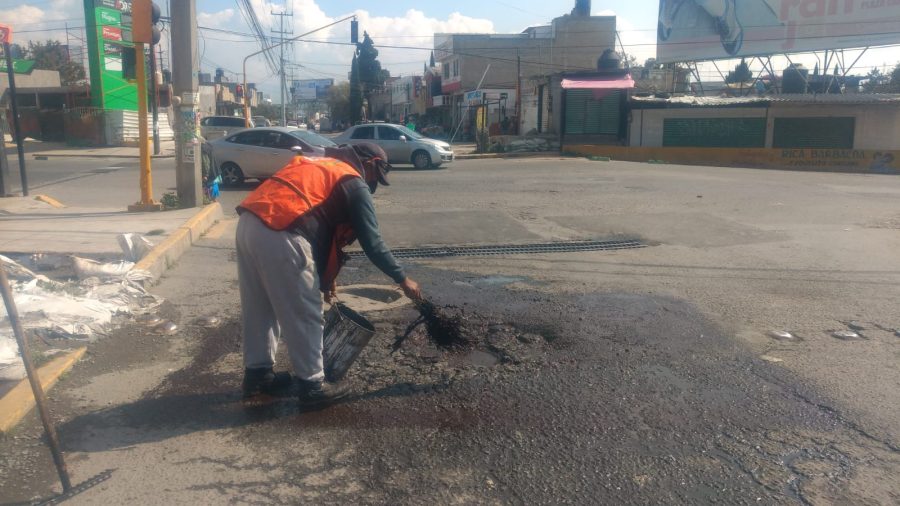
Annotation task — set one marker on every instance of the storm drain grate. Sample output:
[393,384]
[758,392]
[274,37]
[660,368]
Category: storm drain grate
[512,249]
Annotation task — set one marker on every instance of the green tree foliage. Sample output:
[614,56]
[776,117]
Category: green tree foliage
[339,102]
[270,111]
[740,74]
[354,94]
[880,82]
[371,75]
[52,55]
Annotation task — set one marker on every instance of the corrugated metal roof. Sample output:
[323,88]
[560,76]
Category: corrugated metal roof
[848,99]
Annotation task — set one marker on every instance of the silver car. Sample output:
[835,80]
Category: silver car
[215,127]
[261,152]
[401,144]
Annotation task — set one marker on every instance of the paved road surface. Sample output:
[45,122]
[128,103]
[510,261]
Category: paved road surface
[92,182]
[639,376]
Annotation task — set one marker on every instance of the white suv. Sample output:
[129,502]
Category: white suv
[401,144]
[214,127]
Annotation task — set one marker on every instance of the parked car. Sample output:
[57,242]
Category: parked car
[401,144]
[261,121]
[215,127]
[260,152]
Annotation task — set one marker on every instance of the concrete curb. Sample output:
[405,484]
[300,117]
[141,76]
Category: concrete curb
[87,155]
[52,202]
[167,252]
[490,156]
[20,400]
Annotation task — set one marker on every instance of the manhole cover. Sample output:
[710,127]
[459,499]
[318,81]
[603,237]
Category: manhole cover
[371,297]
[513,249]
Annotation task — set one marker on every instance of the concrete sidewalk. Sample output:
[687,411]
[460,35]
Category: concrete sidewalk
[40,149]
[32,225]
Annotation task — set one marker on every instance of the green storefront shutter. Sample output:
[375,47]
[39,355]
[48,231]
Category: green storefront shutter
[828,133]
[714,132]
[590,116]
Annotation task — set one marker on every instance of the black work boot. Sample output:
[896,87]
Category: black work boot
[321,392]
[264,381]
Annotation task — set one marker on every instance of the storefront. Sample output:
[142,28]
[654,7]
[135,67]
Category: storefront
[594,107]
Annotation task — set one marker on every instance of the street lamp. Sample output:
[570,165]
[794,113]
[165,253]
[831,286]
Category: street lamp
[247,90]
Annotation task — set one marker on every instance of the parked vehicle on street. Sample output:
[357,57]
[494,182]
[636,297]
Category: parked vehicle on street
[260,152]
[401,144]
[215,127]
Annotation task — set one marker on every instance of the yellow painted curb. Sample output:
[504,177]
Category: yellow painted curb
[19,401]
[178,241]
[49,200]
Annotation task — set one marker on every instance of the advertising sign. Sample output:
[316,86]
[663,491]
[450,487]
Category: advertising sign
[696,30]
[106,38]
[312,89]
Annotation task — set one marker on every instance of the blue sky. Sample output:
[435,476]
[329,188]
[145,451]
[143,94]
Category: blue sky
[403,23]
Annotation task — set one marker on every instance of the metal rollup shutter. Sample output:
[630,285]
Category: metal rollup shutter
[827,133]
[588,115]
[714,132]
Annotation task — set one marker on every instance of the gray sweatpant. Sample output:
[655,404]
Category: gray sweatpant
[279,295]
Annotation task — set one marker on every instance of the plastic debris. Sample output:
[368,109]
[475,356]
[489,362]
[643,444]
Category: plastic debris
[149,320]
[846,335]
[134,246]
[782,335]
[769,358]
[209,321]
[166,328]
[78,310]
[85,268]
[855,325]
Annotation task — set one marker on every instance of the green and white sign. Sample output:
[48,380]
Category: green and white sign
[106,39]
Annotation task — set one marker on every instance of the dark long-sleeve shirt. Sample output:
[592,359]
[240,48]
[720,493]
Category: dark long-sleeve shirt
[351,202]
[365,224]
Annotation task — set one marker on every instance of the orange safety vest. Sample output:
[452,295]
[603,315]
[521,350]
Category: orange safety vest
[296,189]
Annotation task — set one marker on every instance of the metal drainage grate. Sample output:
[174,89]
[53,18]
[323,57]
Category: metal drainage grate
[512,249]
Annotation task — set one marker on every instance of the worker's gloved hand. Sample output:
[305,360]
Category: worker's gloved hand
[411,289]
[331,293]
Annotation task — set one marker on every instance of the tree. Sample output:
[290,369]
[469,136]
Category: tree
[371,75]
[354,94]
[52,55]
[895,79]
[627,60]
[740,74]
[268,110]
[339,102]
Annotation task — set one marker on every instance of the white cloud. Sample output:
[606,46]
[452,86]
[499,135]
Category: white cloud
[215,19]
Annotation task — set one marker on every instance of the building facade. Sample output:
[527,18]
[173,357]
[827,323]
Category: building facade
[573,42]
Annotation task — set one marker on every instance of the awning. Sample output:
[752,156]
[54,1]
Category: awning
[599,83]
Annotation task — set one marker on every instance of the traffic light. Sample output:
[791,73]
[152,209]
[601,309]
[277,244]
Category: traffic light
[129,61]
[144,18]
[354,32]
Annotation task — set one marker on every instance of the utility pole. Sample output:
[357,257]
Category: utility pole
[185,67]
[281,33]
[154,101]
[6,38]
[261,51]
[518,93]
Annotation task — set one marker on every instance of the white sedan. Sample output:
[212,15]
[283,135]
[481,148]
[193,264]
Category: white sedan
[261,152]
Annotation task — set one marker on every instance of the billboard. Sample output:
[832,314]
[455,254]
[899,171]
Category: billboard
[696,30]
[312,89]
[108,32]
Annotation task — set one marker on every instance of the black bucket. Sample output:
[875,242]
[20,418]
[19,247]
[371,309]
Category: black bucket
[346,334]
